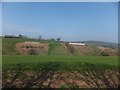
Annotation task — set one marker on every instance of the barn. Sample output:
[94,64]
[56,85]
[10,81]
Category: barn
[31,48]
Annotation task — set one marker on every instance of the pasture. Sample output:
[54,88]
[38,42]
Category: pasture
[67,62]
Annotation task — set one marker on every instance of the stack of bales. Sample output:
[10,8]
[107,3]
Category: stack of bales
[31,48]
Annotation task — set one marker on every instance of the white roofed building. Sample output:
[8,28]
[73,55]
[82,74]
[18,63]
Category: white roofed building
[79,44]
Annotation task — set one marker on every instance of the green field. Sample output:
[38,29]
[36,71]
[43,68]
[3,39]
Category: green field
[65,62]
[10,59]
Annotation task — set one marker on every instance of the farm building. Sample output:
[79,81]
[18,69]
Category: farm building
[31,48]
[78,44]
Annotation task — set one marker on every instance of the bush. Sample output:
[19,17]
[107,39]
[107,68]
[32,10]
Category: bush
[104,54]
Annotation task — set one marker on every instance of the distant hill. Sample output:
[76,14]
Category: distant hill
[100,43]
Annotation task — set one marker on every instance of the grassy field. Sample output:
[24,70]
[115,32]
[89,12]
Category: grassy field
[13,59]
[66,62]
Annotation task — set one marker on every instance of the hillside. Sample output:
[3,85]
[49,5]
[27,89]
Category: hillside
[56,48]
[100,43]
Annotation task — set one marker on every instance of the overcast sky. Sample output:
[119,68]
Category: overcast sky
[70,21]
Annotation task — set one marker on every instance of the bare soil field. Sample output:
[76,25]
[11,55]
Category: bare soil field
[50,79]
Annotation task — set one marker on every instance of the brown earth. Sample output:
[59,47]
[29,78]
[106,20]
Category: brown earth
[73,79]
[109,51]
[90,50]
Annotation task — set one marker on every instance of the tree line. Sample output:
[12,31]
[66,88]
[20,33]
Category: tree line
[22,36]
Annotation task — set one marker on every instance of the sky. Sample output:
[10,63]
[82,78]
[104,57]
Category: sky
[83,21]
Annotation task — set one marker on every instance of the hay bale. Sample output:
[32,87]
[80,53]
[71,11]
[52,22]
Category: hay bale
[31,48]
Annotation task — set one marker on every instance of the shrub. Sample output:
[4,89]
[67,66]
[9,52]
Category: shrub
[104,54]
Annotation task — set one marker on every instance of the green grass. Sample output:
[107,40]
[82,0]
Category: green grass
[64,62]
[55,48]
[8,59]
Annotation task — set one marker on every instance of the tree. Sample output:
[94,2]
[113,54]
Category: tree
[53,39]
[20,36]
[104,54]
[58,39]
[39,37]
